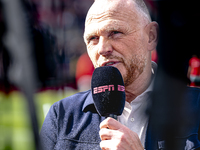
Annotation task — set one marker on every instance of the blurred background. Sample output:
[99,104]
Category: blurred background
[47,58]
[42,60]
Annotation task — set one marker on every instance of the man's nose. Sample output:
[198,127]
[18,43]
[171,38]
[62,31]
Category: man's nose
[104,47]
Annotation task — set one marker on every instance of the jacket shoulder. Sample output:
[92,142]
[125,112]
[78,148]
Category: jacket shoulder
[71,126]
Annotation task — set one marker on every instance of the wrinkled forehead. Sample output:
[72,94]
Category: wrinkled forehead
[110,8]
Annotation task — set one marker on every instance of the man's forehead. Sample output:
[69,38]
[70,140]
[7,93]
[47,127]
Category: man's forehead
[107,26]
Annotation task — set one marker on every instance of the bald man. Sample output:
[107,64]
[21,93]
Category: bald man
[120,34]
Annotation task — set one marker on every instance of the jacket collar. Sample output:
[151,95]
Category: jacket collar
[89,103]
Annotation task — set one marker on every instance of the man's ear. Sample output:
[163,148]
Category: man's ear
[153,35]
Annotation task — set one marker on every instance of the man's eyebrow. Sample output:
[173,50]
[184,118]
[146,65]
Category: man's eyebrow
[113,28]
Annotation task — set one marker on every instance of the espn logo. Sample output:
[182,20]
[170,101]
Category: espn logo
[101,89]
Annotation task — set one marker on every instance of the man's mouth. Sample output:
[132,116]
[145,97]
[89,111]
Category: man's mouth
[111,63]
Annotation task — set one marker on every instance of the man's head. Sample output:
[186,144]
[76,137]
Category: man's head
[120,33]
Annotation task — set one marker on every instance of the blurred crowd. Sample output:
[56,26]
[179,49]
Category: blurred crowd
[56,29]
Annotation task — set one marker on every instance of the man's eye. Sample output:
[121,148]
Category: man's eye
[93,39]
[114,33]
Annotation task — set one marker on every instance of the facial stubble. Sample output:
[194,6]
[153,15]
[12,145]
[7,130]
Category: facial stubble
[134,67]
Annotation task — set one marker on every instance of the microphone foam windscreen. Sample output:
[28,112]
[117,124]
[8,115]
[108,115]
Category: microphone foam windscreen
[108,91]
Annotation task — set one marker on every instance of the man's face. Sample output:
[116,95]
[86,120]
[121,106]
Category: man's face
[115,36]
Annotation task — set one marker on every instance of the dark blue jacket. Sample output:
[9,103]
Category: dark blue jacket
[73,124]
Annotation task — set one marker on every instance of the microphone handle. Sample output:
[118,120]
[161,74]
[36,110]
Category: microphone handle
[113,116]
